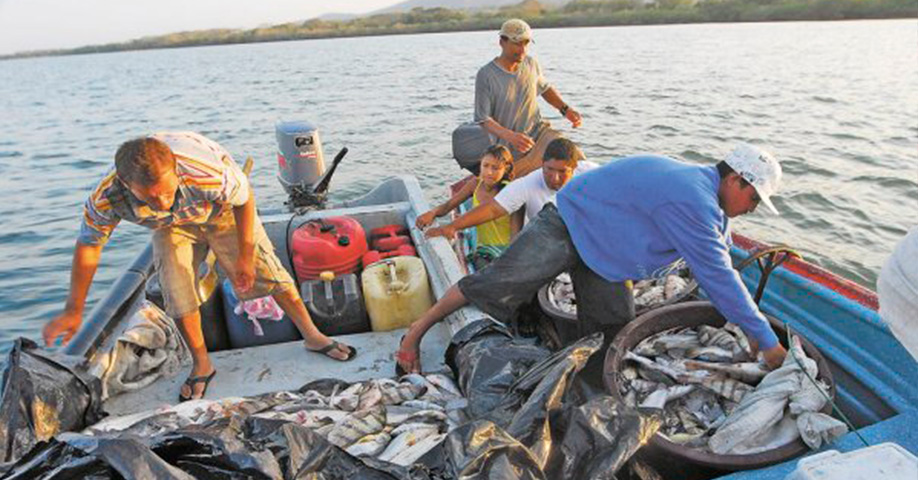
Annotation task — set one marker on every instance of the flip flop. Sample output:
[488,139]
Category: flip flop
[192,381]
[403,357]
[333,345]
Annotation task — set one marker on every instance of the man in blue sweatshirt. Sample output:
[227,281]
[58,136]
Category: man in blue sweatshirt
[623,221]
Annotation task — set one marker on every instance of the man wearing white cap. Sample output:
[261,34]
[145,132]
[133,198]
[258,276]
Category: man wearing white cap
[623,221]
[506,99]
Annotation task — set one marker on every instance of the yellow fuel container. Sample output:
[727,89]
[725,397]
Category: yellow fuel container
[396,292]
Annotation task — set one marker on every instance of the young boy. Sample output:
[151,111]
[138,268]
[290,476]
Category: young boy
[189,190]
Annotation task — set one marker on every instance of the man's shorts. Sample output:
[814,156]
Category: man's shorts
[543,250]
[179,250]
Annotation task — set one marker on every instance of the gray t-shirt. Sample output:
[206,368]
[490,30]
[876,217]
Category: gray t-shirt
[511,99]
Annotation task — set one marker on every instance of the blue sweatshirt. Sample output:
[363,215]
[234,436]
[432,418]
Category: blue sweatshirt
[633,216]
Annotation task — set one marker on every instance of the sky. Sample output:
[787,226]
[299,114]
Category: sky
[27,25]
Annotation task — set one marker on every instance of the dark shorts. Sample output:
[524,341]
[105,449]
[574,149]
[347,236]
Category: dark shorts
[543,250]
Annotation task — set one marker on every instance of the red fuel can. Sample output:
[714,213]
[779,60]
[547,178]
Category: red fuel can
[333,244]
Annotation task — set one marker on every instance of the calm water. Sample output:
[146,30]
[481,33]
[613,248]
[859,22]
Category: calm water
[836,102]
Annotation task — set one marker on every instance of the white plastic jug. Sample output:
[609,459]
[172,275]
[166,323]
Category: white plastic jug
[396,292]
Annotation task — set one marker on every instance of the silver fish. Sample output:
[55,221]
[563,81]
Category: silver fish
[631,398]
[653,366]
[629,373]
[347,399]
[369,396]
[662,342]
[741,338]
[686,439]
[398,393]
[357,425]
[422,405]
[749,372]
[413,453]
[419,380]
[410,427]
[325,429]
[444,384]
[710,354]
[673,285]
[651,296]
[427,416]
[725,387]
[119,423]
[370,445]
[404,441]
[643,386]
[718,337]
[159,423]
[661,397]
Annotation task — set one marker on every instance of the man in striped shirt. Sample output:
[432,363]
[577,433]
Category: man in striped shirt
[189,190]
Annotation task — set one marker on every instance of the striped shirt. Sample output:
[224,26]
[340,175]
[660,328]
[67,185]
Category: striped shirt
[209,182]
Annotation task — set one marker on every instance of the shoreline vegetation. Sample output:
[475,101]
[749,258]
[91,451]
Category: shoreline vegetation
[578,13]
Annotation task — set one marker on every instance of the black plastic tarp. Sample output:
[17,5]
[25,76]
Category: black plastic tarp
[43,395]
[524,423]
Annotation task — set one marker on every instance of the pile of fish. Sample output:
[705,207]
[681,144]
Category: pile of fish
[697,375]
[650,293]
[394,421]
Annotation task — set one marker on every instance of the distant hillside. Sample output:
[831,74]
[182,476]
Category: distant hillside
[338,17]
[540,14]
[408,5]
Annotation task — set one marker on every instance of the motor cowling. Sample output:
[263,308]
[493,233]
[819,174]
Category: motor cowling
[300,160]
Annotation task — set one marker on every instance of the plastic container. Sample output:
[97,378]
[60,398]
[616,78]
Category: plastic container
[396,291]
[334,244]
[336,304]
[300,161]
[389,238]
[242,330]
[678,461]
[887,461]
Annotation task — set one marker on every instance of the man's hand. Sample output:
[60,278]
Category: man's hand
[425,219]
[574,117]
[244,278]
[521,142]
[447,231]
[66,324]
[774,356]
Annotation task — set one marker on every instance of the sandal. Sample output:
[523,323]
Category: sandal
[403,356]
[335,345]
[192,381]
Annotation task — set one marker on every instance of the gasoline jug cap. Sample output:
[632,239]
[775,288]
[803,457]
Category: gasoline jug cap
[327,276]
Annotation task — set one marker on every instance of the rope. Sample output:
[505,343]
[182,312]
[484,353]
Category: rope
[819,387]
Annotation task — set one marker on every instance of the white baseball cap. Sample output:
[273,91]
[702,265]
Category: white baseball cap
[516,30]
[759,168]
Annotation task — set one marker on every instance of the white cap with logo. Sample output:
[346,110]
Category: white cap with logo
[759,168]
[516,30]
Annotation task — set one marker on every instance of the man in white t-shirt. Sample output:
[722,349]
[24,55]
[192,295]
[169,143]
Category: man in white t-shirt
[561,161]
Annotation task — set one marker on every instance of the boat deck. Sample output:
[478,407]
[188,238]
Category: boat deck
[287,366]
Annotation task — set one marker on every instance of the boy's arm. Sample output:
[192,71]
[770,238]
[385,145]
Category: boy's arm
[83,269]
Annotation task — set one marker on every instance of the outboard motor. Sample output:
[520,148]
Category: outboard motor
[301,164]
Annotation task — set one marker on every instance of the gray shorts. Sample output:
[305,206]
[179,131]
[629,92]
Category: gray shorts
[543,250]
